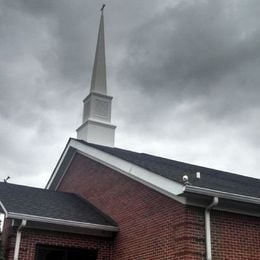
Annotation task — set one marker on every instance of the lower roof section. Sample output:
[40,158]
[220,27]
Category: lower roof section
[41,208]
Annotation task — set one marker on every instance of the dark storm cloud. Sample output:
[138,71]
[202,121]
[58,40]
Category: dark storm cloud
[194,70]
[34,108]
[46,57]
[187,68]
[35,8]
[47,52]
[41,56]
[208,50]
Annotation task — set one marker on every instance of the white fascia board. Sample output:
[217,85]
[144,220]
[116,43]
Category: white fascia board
[161,184]
[59,163]
[61,222]
[221,194]
[3,208]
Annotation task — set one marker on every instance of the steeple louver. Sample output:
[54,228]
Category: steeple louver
[96,125]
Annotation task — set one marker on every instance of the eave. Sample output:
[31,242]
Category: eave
[221,194]
[159,183]
[63,225]
[185,194]
[228,202]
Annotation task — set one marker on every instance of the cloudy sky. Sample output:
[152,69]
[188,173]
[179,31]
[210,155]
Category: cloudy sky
[184,75]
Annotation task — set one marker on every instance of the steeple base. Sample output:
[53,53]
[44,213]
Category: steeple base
[96,132]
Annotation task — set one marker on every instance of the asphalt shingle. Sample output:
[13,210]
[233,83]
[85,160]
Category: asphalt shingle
[51,204]
[174,170]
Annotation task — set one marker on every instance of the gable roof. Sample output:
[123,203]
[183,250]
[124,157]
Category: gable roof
[236,193]
[23,202]
[174,170]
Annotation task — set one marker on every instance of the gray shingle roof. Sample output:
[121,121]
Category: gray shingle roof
[174,170]
[52,204]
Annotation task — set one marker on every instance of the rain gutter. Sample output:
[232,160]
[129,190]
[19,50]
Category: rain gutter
[221,194]
[64,222]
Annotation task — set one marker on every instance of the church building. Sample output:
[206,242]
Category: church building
[106,203]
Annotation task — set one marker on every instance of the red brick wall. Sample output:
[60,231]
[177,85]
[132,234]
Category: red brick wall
[30,238]
[7,235]
[235,237]
[152,226]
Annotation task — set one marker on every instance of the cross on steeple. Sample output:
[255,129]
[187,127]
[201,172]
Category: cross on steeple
[102,8]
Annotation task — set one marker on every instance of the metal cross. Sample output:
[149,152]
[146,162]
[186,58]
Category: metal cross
[102,8]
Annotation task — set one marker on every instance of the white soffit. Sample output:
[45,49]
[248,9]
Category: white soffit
[161,184]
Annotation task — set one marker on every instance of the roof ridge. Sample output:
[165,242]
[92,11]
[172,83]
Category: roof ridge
[212,170]
[35,188]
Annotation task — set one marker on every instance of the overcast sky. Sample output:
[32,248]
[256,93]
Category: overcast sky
[185,76]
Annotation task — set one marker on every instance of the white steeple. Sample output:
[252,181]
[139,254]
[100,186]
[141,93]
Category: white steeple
[99,80]
[96,126]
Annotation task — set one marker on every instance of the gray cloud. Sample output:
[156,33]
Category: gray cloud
[203,49]
[184,75]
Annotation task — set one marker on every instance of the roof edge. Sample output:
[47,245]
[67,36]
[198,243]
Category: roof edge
[63,222]
[58,164]
[221,194]
[3,208]
[150,179]
[159,183]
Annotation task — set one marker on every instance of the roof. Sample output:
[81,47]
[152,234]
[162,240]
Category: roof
[50,204]
[174,170]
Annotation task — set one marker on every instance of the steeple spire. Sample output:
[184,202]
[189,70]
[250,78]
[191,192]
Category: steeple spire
[98,80]
[96,126]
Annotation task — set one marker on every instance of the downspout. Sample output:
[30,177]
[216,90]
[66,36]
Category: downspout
[207,227]
[18,239]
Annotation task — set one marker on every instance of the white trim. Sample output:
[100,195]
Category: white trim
[56,220]
[161,184]
[18,239]
[96,122]
[64,222]
[226,209]
[98,94]
[57,166]
[3,208]
[67,167]
[221,194]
